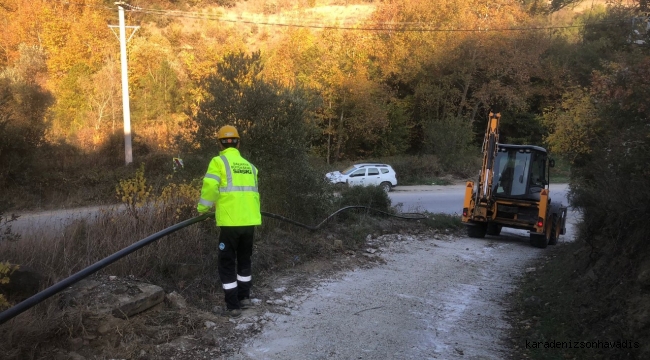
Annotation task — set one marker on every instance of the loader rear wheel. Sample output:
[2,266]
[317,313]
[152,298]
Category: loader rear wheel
[494,229]
[555,233]
[477,230]
[539,240]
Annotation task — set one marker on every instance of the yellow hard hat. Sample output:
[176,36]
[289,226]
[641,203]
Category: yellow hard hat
[227,132]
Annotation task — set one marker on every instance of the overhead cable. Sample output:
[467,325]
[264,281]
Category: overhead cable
[394,27]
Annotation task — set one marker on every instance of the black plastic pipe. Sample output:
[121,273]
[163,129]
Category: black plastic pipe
[61,285]
[415,216]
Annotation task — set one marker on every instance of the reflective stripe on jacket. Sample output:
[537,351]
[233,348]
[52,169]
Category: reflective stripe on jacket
[231,185]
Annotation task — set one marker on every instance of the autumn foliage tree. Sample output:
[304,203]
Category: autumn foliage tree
[450,61]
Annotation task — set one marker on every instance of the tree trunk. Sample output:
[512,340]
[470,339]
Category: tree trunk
[329,136]
[340,137]
[468,81]
[474,111]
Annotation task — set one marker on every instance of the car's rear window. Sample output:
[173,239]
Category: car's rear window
[348,170]
[384,171]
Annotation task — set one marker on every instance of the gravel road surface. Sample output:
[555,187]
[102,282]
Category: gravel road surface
[434,298]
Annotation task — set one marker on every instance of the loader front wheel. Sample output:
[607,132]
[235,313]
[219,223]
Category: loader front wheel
[477,230]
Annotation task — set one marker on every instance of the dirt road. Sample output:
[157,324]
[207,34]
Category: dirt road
[434,298]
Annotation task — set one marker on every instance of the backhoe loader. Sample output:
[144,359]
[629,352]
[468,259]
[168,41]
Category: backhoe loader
[513,191]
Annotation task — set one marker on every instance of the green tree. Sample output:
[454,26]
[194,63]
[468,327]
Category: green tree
[155,79]
[573,125]
[22,127]
[274,130]
[158,94]
[72,105]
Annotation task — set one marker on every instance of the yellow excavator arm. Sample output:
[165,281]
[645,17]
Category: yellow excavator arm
[489,154]
[477,202]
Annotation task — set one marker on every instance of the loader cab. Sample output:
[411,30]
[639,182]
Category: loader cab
[520,172]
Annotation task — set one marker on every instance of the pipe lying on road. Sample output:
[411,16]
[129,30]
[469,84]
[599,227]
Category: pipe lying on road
[61,285]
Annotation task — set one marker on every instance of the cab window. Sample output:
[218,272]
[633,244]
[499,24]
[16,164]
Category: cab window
[537,178]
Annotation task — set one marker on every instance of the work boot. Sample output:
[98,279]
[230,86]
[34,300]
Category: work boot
[232,313]
[245,303]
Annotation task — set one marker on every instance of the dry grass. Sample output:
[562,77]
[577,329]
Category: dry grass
[86,241]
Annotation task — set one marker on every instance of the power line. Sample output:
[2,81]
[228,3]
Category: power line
[207,16]
[96,6]
[391,26]
[64,2]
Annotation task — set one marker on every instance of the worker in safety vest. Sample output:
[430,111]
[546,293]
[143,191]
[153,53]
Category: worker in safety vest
[230,184]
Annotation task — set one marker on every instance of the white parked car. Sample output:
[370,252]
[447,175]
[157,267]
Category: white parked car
[365,174]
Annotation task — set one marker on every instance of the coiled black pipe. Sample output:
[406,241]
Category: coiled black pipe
[63,284]
[416,216]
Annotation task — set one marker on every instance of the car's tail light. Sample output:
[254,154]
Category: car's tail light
[540,222]
[465,211]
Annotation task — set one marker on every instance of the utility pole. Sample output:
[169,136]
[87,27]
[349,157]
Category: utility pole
[126,109]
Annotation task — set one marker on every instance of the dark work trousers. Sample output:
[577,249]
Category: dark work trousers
[235,250]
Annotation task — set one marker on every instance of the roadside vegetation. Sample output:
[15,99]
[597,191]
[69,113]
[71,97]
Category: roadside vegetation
[596,289]
[561,173]
[565,309]
[185,261]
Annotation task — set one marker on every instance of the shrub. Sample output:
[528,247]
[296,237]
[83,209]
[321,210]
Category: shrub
[443,221]
[5,228]
[179,200]
[5,271]
[371,196]
[415,169]
[134,192]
